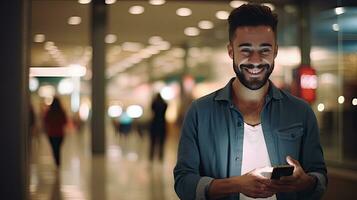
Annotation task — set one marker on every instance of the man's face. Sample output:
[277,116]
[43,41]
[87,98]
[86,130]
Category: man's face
[253,50]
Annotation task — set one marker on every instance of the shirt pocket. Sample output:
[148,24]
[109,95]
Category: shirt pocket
[289,140]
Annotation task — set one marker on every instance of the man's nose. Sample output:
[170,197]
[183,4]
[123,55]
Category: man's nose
[255,57]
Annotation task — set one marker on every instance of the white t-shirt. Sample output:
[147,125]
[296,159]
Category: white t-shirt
[255,153]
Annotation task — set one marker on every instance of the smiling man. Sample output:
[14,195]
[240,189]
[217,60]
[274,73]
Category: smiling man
[231,138]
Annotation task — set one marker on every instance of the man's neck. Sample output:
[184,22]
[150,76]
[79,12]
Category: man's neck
[249,102]
[244,94]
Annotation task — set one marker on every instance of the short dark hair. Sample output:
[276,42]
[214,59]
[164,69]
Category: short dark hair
[251,15]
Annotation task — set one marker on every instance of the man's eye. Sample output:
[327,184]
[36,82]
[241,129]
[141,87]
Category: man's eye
[245,51]
[265,51]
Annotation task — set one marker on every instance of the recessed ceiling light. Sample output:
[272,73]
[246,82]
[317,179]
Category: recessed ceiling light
[164,45]
[157,2]
[131,46]
[339,10]
[39,38]
[205,24]
[236,4]
[271,6]
[183,12]
[335,27]
[110,38]
[74,20]
[136,10]
[49,45]
[223,15]
[84,1]
[110,1]
[191,31]
[154,40]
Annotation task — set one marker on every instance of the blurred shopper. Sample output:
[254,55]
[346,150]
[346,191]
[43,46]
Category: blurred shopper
[54,122]
[158,128]
[229,135]
[32,121]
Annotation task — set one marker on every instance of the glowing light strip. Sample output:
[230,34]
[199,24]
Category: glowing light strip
[58,71]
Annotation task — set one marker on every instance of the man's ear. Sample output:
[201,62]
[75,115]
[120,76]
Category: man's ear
[230,50]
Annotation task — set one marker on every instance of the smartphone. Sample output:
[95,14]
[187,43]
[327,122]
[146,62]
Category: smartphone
[282,170]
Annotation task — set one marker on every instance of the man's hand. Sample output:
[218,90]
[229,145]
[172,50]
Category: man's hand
[297,182]
[254,185]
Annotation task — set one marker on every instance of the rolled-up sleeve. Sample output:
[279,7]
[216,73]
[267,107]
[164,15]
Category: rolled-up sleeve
[312,158]
[188,182]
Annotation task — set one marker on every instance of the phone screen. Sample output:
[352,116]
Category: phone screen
[282,170]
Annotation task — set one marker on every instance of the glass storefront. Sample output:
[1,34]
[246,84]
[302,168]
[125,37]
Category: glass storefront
[334,56]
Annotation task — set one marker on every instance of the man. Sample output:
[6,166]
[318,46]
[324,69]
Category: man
[229,137]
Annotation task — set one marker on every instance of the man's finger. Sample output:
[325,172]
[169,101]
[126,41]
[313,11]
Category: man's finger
[292,161]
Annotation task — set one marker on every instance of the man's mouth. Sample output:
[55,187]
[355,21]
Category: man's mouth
[254,70]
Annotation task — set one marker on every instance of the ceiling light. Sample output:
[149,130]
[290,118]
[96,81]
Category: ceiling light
[223,15]
[84,1]
[110,1]
[153,50]
[341,99]
[335,27]
[354,101]
[183,12]
[136,10]
[131,46]
[205,24]
[236,4]
[49,45]
[70,71]
[74,20]
[33,84]
[321,107]
[164,45]
[191,31]
[39,38]
[65,86]
[271,6]
[110,38]
[155,40]
[115,110]
[339,10]
[157,2]
[134,111]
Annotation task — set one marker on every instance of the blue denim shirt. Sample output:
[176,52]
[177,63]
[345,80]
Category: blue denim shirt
[211,142]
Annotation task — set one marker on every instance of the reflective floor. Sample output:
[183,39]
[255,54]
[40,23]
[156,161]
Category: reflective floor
[123,173]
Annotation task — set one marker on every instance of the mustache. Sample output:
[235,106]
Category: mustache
[252,66]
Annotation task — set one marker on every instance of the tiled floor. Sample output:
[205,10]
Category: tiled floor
[124,173]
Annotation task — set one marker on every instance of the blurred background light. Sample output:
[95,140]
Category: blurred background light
[134,111]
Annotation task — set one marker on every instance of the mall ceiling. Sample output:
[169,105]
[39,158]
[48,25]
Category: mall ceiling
[65,44]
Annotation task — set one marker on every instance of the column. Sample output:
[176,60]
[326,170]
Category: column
[14,98]
[98,31]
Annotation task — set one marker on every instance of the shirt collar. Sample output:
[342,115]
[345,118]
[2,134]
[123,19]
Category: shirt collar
[225,93]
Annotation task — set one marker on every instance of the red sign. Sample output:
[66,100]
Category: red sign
[306,83]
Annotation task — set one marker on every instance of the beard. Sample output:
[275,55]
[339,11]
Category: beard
[253,83]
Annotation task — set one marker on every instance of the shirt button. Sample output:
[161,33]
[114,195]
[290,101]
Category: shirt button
[239,124]
[237,158]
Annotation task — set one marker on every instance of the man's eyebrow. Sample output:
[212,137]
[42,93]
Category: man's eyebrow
[245,44]
[266,45]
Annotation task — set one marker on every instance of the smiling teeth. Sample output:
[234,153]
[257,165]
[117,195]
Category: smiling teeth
[255,70]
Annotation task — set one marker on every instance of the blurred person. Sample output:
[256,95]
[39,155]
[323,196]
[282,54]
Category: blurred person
[55,120]
[232,135]
[157,128]
[32,122]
